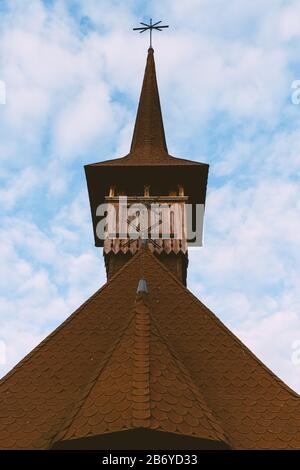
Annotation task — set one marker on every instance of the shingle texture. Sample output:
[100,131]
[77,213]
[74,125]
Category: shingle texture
[160,361]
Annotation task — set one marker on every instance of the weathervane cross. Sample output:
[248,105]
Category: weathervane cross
[151,27]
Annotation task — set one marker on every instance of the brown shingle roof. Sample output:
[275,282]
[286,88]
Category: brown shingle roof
[170,365]
[138,389]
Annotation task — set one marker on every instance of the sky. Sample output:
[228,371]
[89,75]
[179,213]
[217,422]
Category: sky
[72,71]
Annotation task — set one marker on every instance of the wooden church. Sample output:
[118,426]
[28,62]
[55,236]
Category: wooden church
[143,364]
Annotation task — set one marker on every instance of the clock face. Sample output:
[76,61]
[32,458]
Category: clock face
[159,225]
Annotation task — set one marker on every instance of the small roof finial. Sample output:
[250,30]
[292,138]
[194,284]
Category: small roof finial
[142,287]
[151,27]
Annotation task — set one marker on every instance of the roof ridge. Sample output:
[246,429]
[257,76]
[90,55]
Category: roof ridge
[141,412]
[223,326]
[142,326]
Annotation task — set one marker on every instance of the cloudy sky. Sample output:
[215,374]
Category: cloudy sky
[73,72]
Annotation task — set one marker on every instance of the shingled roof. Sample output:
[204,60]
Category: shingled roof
[159,361]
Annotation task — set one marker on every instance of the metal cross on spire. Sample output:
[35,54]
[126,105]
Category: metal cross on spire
[151,27]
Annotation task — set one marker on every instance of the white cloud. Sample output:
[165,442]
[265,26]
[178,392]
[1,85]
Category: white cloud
[18,185]
[79,124]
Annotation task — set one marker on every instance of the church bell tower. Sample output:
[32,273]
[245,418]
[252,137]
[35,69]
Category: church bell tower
[155,188]
[143,364]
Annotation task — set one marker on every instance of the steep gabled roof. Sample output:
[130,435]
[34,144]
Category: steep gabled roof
[88,375]
[142,384]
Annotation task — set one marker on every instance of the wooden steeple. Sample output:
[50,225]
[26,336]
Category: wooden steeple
[148,174]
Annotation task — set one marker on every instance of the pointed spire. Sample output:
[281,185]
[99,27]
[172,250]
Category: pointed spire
[149,135]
